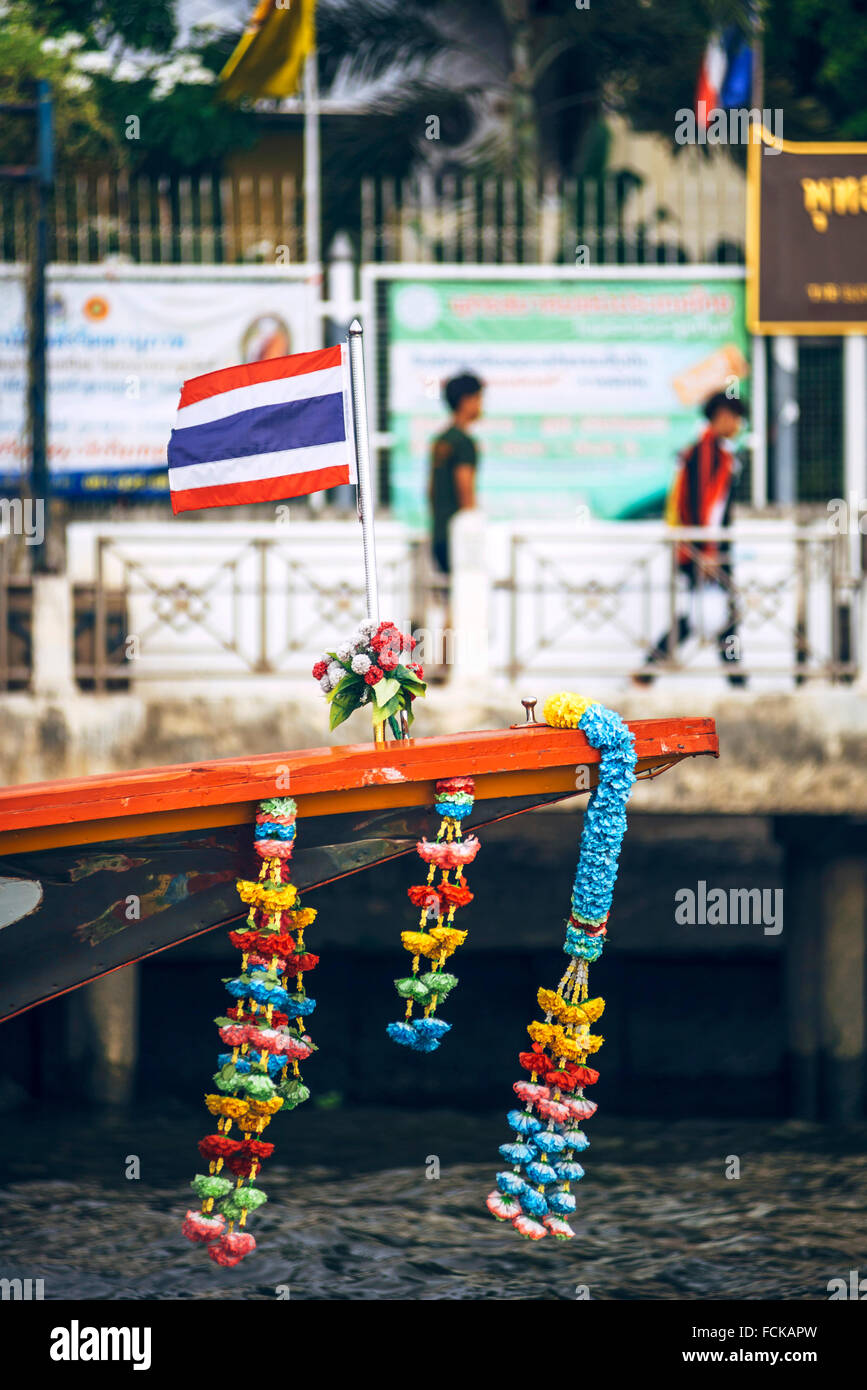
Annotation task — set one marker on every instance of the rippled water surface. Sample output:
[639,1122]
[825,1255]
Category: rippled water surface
[355,1217]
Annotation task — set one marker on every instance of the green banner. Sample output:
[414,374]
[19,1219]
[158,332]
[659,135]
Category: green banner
[592,386]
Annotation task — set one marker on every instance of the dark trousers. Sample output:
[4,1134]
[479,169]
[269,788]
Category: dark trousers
[441,554]
[675,637]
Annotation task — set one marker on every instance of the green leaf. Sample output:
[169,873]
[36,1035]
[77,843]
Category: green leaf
[384,712]
[341,708]
[385,690]
[346,683]
[408,677]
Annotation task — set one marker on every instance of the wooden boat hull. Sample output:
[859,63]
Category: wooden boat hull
[100,872]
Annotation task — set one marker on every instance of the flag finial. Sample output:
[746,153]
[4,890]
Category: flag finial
[354,327]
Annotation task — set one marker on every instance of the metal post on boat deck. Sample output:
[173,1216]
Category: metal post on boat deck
[366,502]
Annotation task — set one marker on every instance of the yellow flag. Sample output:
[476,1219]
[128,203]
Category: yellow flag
[270,56]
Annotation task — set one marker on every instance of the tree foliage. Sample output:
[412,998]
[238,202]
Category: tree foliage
[108,60]
[816,67]
[517,86]
[549,72]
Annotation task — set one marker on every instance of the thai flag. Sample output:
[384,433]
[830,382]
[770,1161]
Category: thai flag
[263,432]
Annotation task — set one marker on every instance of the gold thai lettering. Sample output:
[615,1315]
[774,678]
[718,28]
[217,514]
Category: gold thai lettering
[842,197]
[850,294]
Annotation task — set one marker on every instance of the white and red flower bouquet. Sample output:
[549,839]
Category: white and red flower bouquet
[372,668]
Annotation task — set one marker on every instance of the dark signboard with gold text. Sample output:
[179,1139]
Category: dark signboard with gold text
[807,238]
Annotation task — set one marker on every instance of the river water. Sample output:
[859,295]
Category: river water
[353,1214]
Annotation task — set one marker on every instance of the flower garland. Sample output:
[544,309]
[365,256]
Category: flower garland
[454,799]
[260,1075]
[370,669]
[535,1194]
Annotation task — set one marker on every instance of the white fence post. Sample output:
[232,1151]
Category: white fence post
[759,425]
[784,357]
[341,282]
[341,298]
[855,475]
[469,598]
[53,668]
[855,437]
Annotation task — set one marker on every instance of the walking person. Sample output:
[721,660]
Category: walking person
[454,463]
[701,495]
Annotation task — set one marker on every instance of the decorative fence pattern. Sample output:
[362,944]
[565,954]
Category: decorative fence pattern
[600,598]
[183,602]
[154,602]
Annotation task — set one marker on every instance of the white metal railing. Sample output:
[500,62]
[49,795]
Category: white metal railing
[776,600]
[187,601]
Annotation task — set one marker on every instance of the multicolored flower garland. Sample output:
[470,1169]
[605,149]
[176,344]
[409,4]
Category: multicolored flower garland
[454,799]
[261,1074]
[371,668]
[535,1194]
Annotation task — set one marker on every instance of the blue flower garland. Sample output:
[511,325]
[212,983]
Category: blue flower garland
[535,1194]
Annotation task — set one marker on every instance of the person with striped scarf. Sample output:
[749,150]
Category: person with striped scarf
[701,495]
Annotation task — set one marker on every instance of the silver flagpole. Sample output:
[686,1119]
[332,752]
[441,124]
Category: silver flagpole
[312,163]
[362,459]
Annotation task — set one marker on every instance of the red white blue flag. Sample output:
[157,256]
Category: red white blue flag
[725,76]
[710,79]
[263,432]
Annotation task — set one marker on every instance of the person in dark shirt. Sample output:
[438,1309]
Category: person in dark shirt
[702,496]
[454,461]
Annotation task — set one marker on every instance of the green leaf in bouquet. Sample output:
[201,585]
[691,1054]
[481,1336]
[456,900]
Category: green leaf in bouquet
[394,706]
[341,708]
[385,690]
[413,686]
[406,676]
[348,682]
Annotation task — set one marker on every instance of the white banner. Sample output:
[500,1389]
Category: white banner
[120,343]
